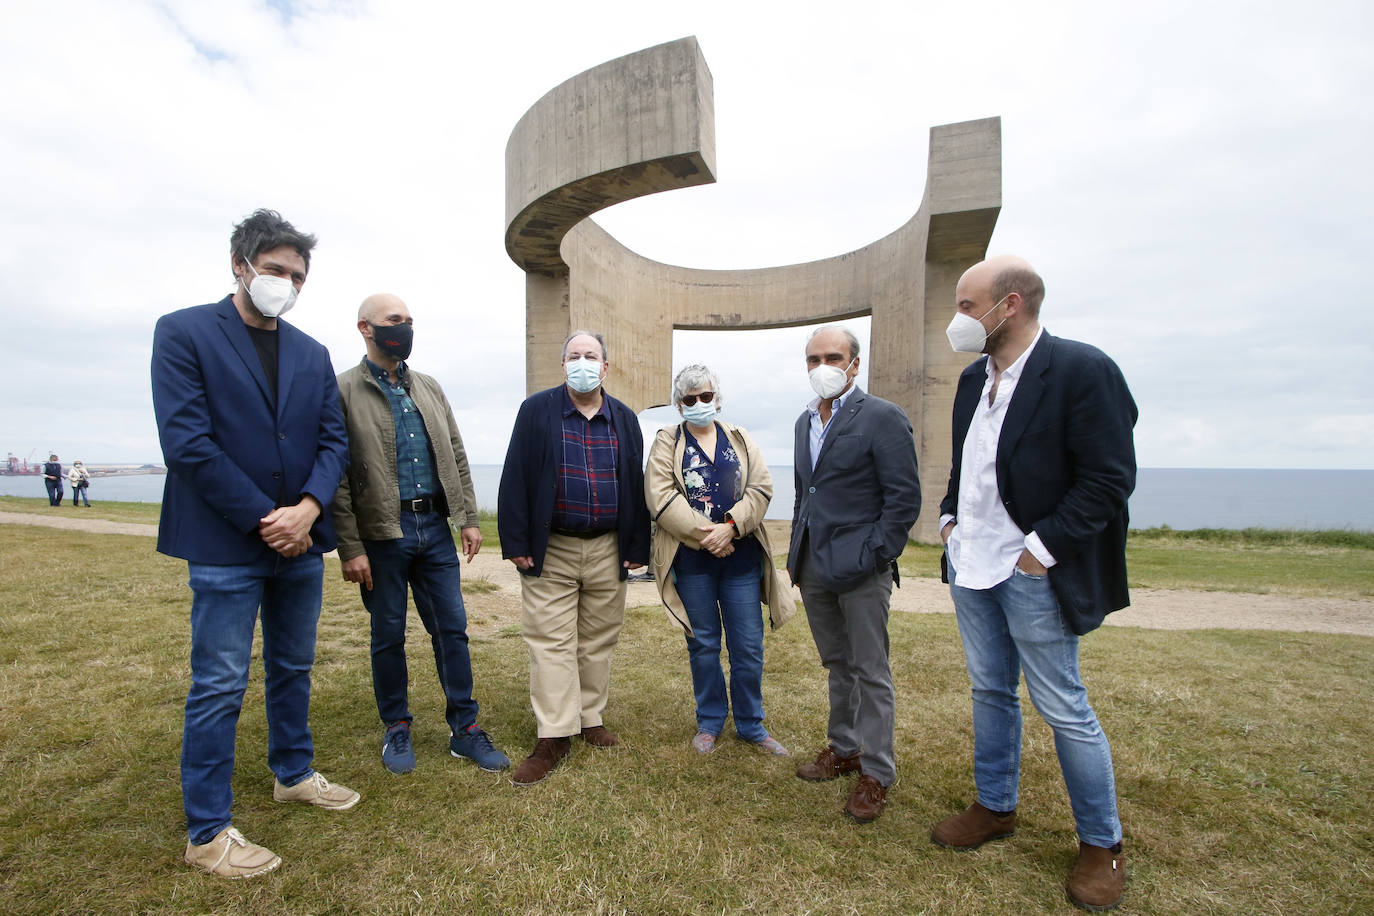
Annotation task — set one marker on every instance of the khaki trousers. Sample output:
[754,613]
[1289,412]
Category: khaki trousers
[571,617]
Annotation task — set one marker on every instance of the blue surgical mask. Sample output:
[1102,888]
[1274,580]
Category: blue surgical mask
[584,375]
[699,414]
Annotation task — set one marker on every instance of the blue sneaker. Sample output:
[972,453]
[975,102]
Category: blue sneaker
[475,745]
[397,754]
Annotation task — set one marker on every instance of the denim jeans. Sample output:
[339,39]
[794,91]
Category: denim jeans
[224,607]
[732,603]
[54,492]
[425,558]
[78,494]
[1012,626]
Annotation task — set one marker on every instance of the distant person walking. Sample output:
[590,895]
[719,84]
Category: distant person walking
[1034,524]
[52,479]
[255,446]
[708,489]
[80,479]
[407,476]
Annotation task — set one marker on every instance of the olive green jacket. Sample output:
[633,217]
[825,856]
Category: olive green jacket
[676,521]
[368,504]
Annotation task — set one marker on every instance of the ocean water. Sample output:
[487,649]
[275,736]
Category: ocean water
[1178,497]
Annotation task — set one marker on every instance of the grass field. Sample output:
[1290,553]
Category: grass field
[1243,763]
[1302,563]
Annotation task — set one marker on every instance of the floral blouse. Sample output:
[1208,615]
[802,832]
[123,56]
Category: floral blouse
[714,484]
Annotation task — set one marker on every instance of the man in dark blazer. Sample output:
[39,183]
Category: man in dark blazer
[572,518]
[857,496]
[254,441]
[1034,523]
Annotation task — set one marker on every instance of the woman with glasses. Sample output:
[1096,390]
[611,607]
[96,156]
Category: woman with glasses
[708,487]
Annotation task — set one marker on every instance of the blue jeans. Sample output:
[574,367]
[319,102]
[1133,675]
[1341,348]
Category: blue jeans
[425,558]
[78,494]
[224,607]
[1012,626]
[713,602]
[54,492]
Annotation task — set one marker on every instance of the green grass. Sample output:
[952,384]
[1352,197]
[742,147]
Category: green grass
[1243,764]
[1264,561]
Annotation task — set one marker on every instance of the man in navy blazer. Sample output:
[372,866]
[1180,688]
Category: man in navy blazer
[572,518]
[857,496]
[1034,522]
[255,445]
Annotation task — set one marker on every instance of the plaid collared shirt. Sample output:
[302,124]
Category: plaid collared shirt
[588,491]
[414,460]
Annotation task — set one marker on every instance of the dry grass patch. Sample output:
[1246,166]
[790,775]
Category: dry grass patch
[1242,758]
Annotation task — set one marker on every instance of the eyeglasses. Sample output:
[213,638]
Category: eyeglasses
[705,397]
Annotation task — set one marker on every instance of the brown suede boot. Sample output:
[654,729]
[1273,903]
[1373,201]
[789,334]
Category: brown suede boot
[867,800]
[599,736]
[972,828]
[1097,879]
[828,765]
[547,754]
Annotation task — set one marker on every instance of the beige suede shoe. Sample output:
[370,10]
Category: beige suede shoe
[316,790]
[229,855]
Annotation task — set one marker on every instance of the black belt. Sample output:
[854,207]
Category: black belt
[585,535]
[423,504]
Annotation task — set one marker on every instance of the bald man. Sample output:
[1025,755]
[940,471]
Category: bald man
[407,476]
[1034,523]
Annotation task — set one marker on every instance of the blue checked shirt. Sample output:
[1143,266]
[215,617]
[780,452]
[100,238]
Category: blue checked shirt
[414,461]
[588,495]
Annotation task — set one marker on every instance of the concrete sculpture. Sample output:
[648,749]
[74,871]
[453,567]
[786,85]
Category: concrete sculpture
[646,123]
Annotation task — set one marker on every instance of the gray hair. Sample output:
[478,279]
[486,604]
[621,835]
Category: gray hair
[695,376]
[599,339]
[853,341]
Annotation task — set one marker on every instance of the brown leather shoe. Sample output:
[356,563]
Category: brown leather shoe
[867,800]
[599,736]
[1097,879]
[828,765]
[547,754]
[971,829]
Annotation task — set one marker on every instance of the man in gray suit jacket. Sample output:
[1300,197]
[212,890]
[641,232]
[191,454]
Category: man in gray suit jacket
[857,496]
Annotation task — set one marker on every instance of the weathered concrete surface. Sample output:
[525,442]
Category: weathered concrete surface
[575,152]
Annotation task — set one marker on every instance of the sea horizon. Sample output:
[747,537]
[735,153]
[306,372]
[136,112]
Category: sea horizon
[1180,498]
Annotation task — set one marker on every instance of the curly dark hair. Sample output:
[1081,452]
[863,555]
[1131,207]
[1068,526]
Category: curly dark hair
[265,230]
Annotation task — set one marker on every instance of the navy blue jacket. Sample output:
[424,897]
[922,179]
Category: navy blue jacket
[231,458]
[1065,468]
[858,505]
[529,481]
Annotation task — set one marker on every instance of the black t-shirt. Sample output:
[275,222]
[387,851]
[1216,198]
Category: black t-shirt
[265,342]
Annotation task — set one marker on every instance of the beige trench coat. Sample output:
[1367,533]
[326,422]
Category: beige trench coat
[676,521]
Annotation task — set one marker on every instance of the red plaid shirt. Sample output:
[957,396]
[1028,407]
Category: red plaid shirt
[588,493]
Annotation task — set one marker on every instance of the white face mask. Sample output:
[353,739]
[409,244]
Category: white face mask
[829,381]
[272,296]
[699,414]
[966,334]
[584,375]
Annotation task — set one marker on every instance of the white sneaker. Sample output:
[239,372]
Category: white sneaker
[316,790]
[229,855]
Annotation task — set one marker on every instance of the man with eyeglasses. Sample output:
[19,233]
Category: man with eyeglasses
[248,417]
[572,518]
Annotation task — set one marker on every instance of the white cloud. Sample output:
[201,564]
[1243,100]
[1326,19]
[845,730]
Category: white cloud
[1190,178]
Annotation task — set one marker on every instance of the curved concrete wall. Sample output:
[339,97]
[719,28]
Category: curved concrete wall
[569,157]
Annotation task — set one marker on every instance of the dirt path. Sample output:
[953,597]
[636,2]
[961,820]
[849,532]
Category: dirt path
[1160,609]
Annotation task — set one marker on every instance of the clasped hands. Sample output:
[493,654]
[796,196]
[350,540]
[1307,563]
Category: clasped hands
[286,529]
[719,539]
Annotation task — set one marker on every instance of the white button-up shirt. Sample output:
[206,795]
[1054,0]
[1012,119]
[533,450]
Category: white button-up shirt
[985,543]
[819,429]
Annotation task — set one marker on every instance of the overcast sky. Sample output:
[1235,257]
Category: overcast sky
[1192,180]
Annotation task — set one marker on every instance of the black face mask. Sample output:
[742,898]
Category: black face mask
[394,340]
